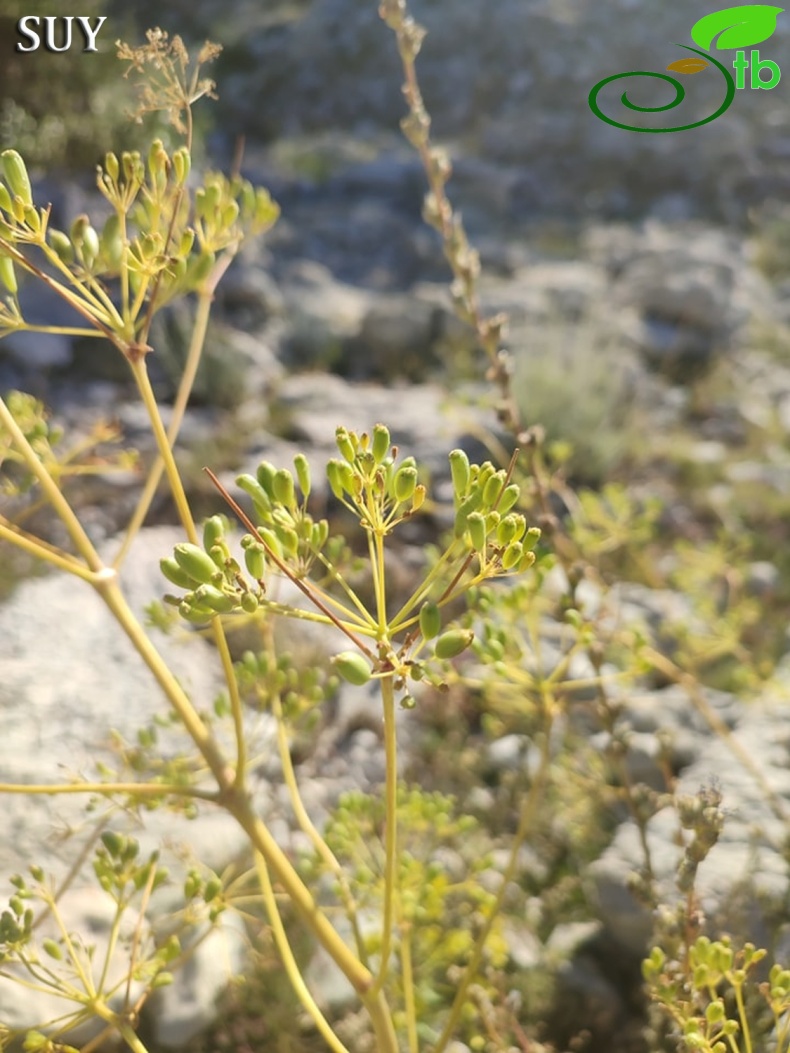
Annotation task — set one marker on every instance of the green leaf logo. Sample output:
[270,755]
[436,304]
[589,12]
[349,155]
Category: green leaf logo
[736,27]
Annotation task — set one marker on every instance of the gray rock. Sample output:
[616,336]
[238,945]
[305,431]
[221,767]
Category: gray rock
[185,1008]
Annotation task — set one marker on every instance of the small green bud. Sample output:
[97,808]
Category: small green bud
[452,643]
[476,525]
[352,667]
[174,573]
[346,444]
[381,442]
[302,473]
[16,176]
[430,620]
[405,483]
[531,538]
[459,469]
[5,199]
[284,490]
[197,563]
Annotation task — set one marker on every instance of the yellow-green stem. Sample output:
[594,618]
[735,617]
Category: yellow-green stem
[41,550]
[179,407]
[408,987]
[306,824]
[289,962]
[140,371]
[391,830]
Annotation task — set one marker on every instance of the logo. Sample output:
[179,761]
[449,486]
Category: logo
[734,28]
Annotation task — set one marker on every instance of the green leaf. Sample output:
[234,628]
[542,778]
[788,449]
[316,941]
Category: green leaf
[736,27]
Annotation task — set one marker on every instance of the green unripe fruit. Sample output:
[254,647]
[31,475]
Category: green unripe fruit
[216,599]
[114,843]
[493,488]
[212,889]
[531,538]
[507,530]
[112,167]
[284,490]
[255,560]
[271,541]
[340,477]
[352,667]
[249,602]
[174,573]
[469,505]
[476,525]
[16,176]
[200,267]
[85,240]
[111,241]
[430,620]
[8,274]
[257,492]
[319,534]
[381,442]
[182,162]
[459,469]
[302,473]
[61,245]
[512,555]
[197,615]
[197,563]
[452,643]
[54,950]
[405,483]
[408,702]
[507,501]
[527,560]
[346,445]
[213,532]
